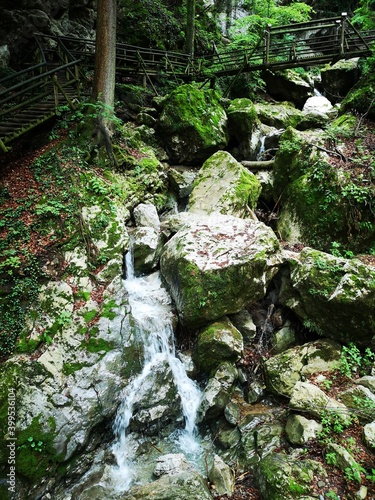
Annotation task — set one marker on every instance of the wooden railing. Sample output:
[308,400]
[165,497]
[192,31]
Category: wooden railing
[33,95]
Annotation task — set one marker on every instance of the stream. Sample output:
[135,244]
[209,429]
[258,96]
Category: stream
[152,316]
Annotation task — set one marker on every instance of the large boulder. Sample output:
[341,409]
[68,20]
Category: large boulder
[224,185]
[339,78]
[288,84]
[157,403]
[216,265]
[279,115]
[217,393]
[185,485]
[333,296]
[284,370]
[243,125]
[193,124]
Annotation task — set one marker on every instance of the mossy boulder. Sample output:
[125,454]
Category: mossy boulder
[243,125]
[224,185]
[332,296]
[359,98]
[216,343]
[279,115]
[292,158]
[282,477]
[320,203]
[288,84]
[339,78]
[284,370]
[193,124]
[216,265]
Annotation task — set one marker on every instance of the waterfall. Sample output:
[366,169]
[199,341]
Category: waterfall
[152,316]
[262,148]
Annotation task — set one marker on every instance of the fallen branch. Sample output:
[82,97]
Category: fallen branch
[258,165]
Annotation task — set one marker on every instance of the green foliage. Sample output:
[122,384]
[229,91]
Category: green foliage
[332,494]
[333,422]
[354,473]
[331,458]
[371,476]
[149,23]
[352,361]
[97,186]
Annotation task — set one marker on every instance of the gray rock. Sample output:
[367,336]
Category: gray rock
[217,393]
[146,215]
[224,185]
[184,486]
[181,180]
[342,309]
[343,459]
[367,381]
[362,401]
[283,339]
[218,342]
[147,247]
[217,265]
[369,435]
[300,430]
[284,370]
[245,324]
[309,398]
[279,476]
[171,464]
[222,477]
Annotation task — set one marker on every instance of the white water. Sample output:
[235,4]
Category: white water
[262,148]
[151,311]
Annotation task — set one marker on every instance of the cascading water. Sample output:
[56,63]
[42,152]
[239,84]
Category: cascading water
[152,315]
[262,148]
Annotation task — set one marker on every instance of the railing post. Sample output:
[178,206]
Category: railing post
[267,41]
[342,40]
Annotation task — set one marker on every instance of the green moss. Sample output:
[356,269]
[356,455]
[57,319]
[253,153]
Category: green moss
[90,315]
[70,368]
[97,345]
[106,310]
[34,462]
[200,110]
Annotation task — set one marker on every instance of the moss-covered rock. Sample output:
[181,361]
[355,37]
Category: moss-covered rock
[339,78]
[193,124]
[243,125]
[218,264]
[282,477]
[218,342]
[279,115]
[320,202]
[333,296]
[284,370]
[224,185]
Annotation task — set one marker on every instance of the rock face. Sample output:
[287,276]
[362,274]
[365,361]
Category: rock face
[288,85]
[193,124]
[20,20]
[224,185]
[217,265]
[333,296]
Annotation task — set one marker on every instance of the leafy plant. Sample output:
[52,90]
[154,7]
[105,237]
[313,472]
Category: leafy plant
[354,473]
[332,494]
[352,361]
[331,458]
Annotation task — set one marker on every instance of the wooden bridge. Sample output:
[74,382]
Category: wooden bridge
[33,95]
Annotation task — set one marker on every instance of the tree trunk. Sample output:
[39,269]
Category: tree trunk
[105,70]
[190,27]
